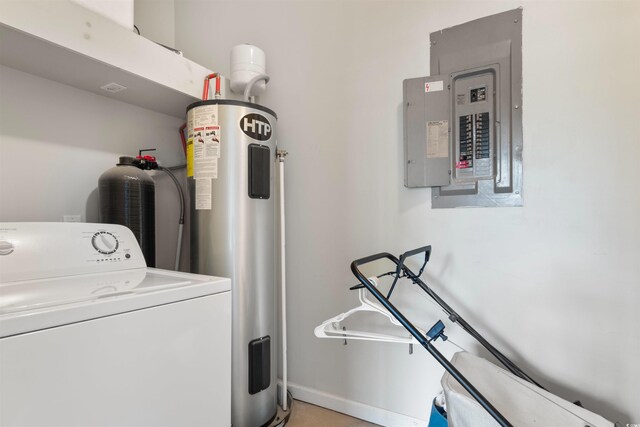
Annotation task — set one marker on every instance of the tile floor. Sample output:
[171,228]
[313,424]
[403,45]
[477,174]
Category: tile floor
[308,415]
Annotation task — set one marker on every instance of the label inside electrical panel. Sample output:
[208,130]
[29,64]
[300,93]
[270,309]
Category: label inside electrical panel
[203,194]
[438,139]
[434,86]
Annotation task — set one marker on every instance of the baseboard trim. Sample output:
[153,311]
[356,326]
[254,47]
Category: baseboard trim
[355,409]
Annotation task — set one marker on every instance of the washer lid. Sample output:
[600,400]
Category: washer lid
[32,305]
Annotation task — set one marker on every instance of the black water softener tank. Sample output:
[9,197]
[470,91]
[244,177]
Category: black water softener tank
[127,197]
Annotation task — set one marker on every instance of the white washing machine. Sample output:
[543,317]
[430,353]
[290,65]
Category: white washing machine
[89,336]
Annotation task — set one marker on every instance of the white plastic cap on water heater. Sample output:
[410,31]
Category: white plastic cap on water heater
[247,61]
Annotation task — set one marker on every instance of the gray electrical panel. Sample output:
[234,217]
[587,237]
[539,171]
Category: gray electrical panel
[463,125]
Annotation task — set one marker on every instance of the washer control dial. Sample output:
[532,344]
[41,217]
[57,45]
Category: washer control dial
[105,242]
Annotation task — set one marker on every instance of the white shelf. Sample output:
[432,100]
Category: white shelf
[64,42]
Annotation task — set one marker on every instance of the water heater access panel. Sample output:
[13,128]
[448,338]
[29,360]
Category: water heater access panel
[463,125]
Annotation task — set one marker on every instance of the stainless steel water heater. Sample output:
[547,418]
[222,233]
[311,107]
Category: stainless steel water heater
[231,154]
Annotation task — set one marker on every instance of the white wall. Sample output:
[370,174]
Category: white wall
[156,20]
[120,11]
[55,142]
[556,284]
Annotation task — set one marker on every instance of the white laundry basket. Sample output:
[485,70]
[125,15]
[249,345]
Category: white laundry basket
[522,403]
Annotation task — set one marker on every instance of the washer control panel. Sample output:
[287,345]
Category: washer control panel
[43,250]
[107,245]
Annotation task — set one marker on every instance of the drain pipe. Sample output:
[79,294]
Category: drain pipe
[281,154]
[181,220]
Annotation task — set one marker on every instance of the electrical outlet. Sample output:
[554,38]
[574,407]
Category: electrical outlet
[72,218]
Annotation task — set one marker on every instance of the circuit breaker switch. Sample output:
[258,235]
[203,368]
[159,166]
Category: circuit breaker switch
[478,94]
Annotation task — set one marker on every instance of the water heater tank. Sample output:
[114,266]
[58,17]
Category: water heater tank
[127,197]
[231,153]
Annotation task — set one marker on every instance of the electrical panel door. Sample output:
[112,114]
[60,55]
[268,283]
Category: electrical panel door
[426,119]
[463,125]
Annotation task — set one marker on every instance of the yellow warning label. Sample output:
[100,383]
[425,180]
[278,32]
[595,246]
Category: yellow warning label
[190,157]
